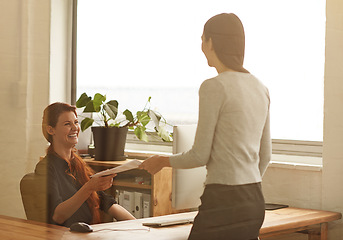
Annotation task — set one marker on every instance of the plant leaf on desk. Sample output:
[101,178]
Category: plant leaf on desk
[140,133]
[90,107]
[86,123]
[83,100]
[128,115]
[164,134]
[98,100]
[109,111]
[155,118]
[143,118]
[111,108]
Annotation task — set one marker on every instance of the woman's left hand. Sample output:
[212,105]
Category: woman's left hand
[155,164]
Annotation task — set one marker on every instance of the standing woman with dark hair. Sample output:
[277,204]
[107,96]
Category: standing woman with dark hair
[232,139]
[72,195]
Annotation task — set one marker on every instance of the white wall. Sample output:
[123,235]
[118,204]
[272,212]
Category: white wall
[332,194]
[24,75]
[32,36]
[295,187]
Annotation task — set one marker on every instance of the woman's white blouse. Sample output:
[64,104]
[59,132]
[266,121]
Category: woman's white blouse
[233,132]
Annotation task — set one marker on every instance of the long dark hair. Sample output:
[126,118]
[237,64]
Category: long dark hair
[228,38]
[78,169]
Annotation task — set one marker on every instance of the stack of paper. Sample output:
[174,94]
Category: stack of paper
[127,166]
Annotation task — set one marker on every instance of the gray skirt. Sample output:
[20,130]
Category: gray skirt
[230,212]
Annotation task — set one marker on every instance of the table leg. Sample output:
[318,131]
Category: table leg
[322,234]
[324,231]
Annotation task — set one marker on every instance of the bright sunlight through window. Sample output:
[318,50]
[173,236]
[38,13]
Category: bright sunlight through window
[130,50]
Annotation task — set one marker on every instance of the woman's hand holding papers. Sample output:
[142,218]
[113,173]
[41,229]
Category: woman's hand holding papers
[100,183]
[155,164]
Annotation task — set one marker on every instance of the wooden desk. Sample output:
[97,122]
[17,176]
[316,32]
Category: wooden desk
[277,222]
[19,229]
[291,220]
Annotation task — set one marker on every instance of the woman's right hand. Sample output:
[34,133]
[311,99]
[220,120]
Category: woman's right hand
[66,209]
[99,183]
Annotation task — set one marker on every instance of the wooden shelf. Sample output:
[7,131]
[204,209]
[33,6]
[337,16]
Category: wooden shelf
[160,184]
[122,183]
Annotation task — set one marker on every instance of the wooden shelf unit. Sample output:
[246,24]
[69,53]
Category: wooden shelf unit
[131,185]
[158,185]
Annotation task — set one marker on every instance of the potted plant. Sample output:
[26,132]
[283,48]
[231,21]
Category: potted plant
[110,134]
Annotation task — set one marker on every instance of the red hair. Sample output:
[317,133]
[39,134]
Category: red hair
[78,169]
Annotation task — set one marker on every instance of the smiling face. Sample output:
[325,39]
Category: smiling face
[66,131]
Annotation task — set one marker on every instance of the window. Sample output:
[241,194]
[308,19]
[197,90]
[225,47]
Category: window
[131,50]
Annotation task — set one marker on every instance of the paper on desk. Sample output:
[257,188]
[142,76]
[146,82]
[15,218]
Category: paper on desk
[127,166]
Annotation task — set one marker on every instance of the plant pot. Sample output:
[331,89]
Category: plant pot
[109,143]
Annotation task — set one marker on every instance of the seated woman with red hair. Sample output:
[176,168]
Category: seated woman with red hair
[72,196]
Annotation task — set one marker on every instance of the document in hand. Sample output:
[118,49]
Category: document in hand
[127,166]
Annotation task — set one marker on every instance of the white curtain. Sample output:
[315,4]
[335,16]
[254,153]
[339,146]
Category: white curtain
[24,92]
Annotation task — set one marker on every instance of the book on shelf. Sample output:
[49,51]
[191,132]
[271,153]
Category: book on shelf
[129,201]
[146,203]
[137,203]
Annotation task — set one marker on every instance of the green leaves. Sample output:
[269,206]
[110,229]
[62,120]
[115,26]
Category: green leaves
[111,108]
[143,118]
[98,101]
[83,100]
[155,117]
[164,134]
[89,104]
[129,116]
[86,123]
[95,105]
[140,133]
[90,107]
[108,111]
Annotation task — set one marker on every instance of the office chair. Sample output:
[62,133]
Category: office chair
[34,197]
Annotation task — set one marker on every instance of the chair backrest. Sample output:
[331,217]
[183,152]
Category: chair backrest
[34,197]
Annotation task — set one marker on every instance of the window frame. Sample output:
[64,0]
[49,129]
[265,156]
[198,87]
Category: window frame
[279,146]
